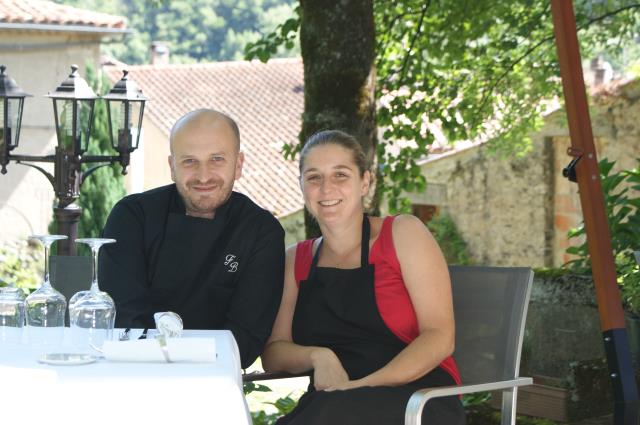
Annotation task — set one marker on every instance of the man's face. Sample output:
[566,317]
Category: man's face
[204,163]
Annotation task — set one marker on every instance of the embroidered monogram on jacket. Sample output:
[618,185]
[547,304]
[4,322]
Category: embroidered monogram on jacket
[229,261]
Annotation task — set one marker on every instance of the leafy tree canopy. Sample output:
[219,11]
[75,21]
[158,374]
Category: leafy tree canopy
[475,69]
[196,30]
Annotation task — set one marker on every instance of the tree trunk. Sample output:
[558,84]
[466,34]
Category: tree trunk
[337,42]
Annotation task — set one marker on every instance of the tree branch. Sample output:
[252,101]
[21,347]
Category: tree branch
[380,48]
[545,40]
[413,41]
[609,14]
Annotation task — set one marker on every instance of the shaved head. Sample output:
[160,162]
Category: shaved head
[205,160]
[206,120]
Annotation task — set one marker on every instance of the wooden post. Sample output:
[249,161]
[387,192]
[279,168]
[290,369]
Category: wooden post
[592,200]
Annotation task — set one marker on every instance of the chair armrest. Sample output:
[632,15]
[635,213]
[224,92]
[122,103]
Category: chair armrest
[413,413]
[264,376]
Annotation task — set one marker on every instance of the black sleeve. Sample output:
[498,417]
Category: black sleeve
[122,270]
[257,296]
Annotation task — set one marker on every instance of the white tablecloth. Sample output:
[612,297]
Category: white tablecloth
[122,393]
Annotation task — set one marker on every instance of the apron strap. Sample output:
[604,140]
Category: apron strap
[314,262]
[364,246]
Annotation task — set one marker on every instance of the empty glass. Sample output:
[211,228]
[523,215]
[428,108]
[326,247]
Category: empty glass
[93,312]
[46,307]
[11,314]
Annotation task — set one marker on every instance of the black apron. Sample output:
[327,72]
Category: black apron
[187,276]
[337,309]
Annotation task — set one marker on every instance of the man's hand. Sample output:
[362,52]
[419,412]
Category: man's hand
[327,369]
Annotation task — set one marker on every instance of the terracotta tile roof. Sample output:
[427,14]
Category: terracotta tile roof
[50,13]
[266,100]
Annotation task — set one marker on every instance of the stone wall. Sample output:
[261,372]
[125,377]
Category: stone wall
[562,326]
[499,204]
[516,211]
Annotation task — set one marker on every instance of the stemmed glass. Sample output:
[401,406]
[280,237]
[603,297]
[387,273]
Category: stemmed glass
[46,307]
[93,312]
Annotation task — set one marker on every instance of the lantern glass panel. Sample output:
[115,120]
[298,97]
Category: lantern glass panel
[10,117]
[65,123]
[114,108]
[73,130]
[2,123]
[136,122]
[125,123]
[85,118]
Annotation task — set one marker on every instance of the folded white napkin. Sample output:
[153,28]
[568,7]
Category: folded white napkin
[150,350]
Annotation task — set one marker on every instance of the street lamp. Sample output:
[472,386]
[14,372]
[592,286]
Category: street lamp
[125,108]
[11,115]
[73,105]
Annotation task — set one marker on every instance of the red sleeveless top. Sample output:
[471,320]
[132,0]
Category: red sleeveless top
[392,298]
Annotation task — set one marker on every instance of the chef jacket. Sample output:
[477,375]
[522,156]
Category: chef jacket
[220,273]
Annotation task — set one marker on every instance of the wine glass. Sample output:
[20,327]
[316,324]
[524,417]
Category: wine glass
[46,308]
[93,312]
[11,314]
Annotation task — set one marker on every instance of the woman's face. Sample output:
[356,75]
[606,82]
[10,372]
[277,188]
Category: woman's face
[331,183]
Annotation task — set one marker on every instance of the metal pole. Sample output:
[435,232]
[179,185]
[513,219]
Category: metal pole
[67,180]
[67,218]
[612,322]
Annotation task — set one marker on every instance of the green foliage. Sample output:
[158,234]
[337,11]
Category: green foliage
[480,69]
[283,405]
[21,265]
[285,35]
[475,399]
[250,387]
[629,281]
[550,273]
[196,30]
[622,206]
[450,239]
[474,69]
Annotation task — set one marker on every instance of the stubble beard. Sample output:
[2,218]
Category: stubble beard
[204,205]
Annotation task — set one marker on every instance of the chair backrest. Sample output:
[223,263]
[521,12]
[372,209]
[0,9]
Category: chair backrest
[70,274]
[490,305]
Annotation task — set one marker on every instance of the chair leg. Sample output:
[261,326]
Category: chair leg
[509,398]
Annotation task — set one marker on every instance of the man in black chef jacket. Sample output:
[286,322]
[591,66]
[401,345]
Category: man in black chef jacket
[195,247]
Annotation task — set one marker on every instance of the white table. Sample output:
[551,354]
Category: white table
[122,393]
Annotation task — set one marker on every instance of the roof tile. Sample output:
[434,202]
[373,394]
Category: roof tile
[50,13]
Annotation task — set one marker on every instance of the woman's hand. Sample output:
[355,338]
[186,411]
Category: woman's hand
[327,369]
[346,385]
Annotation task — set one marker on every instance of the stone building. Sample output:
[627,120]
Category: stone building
[517,211]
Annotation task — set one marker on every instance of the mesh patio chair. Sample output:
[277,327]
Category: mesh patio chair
[490,305]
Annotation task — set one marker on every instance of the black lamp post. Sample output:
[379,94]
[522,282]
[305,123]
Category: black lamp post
[73,104]
[11,115]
